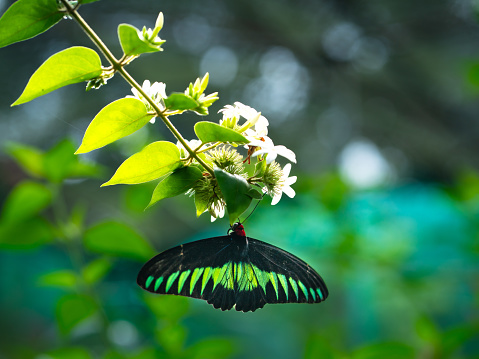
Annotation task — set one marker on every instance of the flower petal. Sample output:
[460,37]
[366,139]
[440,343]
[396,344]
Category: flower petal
[288,191]
[286,152]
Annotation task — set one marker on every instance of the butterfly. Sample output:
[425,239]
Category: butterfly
[233,271]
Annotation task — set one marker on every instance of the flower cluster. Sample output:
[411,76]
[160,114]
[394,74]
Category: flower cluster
[267,174]
[157,92]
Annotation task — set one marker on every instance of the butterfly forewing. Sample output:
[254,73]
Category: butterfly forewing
[233,271]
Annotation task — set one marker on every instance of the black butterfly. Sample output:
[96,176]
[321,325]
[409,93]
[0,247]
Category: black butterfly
[233,271]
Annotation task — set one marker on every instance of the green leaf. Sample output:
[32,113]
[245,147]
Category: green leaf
[24,201]
[201,205]
[155,160]
[172,338]
[116,120]
[59,161]
[211,348]
[117,239]
[67,353]
[61,278]
[171,308]
[131,43]
[30,159]
[87,1]
[72,309]
[180,101]
[212,132]
[236,192]
[96,270]
[66,67]
[427,330]
[30,234]
[176,183]
[26,19]
[390,350]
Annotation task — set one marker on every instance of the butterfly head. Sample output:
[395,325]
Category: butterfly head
[238,229]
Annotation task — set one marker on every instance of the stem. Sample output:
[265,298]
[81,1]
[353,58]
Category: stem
[119,66]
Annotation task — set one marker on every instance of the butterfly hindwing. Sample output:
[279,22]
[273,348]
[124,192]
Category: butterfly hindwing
[233,271]
[291,280]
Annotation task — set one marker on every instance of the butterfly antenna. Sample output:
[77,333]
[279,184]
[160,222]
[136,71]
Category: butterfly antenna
[254,209]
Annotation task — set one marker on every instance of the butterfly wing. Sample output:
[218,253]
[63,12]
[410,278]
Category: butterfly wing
[280,276]
[233,271]
[200,269]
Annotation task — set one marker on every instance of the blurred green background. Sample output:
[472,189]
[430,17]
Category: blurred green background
[379,100]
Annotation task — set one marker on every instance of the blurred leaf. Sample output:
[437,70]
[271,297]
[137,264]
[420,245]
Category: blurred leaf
[236,192]
[454,338]
[172,338]
[96,270]
[131,43]
[68,353]
[60,278]
[427,330]
[85,169]
[31,233]
[72,309]
[213,348]
[137,197]
[319,347]
[212,132]
[176,183]
[390,350]
[29,158]
[180,101]
[24,201]
[116,120]
[59,161]
[144,353]
[57,164]
[117,239]
[171,308]
[87,1]
[73,65]
[473,74]
[155,160]
[26,19]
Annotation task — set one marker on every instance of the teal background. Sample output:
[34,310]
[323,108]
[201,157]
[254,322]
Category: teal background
[391,224]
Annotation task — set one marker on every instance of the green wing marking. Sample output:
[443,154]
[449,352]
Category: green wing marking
[231,271]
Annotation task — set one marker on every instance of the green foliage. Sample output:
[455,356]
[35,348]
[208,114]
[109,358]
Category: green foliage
[212,132]
[70,66]
[117,239]
[25,201]
[73,309]
[55,165]
[96,270]
[237,192]
[176,183]
[116,120]
[69,353]
[131,43]
[26,19]
[61,278]
[155,160]
[181,102]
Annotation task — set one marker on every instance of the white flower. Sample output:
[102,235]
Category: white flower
[157,92]
[284,185]
[219,210]
[253,118]
[270,150]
